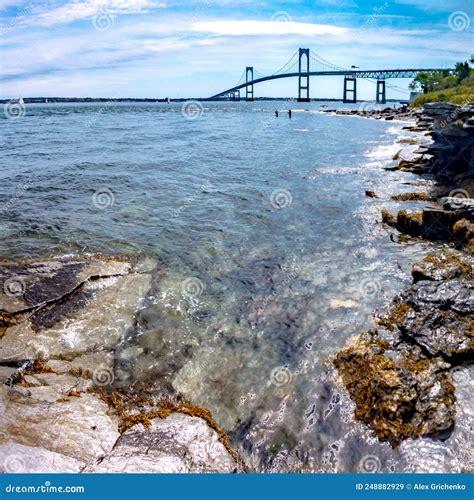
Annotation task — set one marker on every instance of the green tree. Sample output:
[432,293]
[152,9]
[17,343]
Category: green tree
[462,70]
[423,81]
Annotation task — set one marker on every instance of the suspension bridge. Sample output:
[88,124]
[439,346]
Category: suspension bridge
[299,66]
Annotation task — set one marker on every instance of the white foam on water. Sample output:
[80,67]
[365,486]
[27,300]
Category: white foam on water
[383,152]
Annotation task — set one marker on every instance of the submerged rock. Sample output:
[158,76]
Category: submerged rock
[371,194]
[60,325]
[57,308]
[29,285]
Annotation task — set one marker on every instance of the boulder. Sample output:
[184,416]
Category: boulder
[177,444]
[440,317]
[443,266]
[436,109]
[50,412]
[371,194]
[399,394]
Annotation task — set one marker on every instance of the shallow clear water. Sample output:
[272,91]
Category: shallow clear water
[269,255]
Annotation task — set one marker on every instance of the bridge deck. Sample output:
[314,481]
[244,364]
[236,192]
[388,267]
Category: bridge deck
[378,74]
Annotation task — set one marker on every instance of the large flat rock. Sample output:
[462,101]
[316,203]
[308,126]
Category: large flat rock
[51,414]
[27,285]
[177,444]
[65,325]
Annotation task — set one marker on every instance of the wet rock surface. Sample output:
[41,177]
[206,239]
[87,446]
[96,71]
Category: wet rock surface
[399,392]
[57,352]
[399,374]
[448,159]
[378,112]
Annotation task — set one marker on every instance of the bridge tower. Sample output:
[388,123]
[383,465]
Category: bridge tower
[350,87]
[249,88]
[303,77]
[380,95]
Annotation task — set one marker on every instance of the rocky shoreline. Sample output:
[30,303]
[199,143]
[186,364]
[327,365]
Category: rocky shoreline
[62,409]
[400,373]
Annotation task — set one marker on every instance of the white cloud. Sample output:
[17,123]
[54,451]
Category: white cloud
[239,28]
[85,9]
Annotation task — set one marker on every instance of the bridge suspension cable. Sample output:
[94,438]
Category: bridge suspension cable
[320,60]
[287,65]
[242,78]
[257,73]
[292,68]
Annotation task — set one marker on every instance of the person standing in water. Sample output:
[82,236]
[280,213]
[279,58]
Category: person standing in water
[289,114]
[276,113]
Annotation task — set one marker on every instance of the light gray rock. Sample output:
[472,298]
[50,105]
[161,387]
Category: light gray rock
[16,458]
[178,444]
[45,417]
[82,329]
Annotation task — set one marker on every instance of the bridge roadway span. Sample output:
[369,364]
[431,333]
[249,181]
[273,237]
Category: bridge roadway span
[380,75]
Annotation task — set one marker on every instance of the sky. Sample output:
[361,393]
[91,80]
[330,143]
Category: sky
[190,48]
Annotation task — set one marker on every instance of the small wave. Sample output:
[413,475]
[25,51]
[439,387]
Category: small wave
[383,152]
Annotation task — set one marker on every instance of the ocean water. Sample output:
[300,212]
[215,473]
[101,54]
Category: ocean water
[268,256]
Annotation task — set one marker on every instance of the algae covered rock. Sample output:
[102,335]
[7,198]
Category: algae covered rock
[400,394]
[442,266]
[463,230]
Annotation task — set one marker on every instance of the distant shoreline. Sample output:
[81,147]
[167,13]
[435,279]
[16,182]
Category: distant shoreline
[49,100]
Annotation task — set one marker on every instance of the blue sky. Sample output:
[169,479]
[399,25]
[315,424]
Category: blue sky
[190,48]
